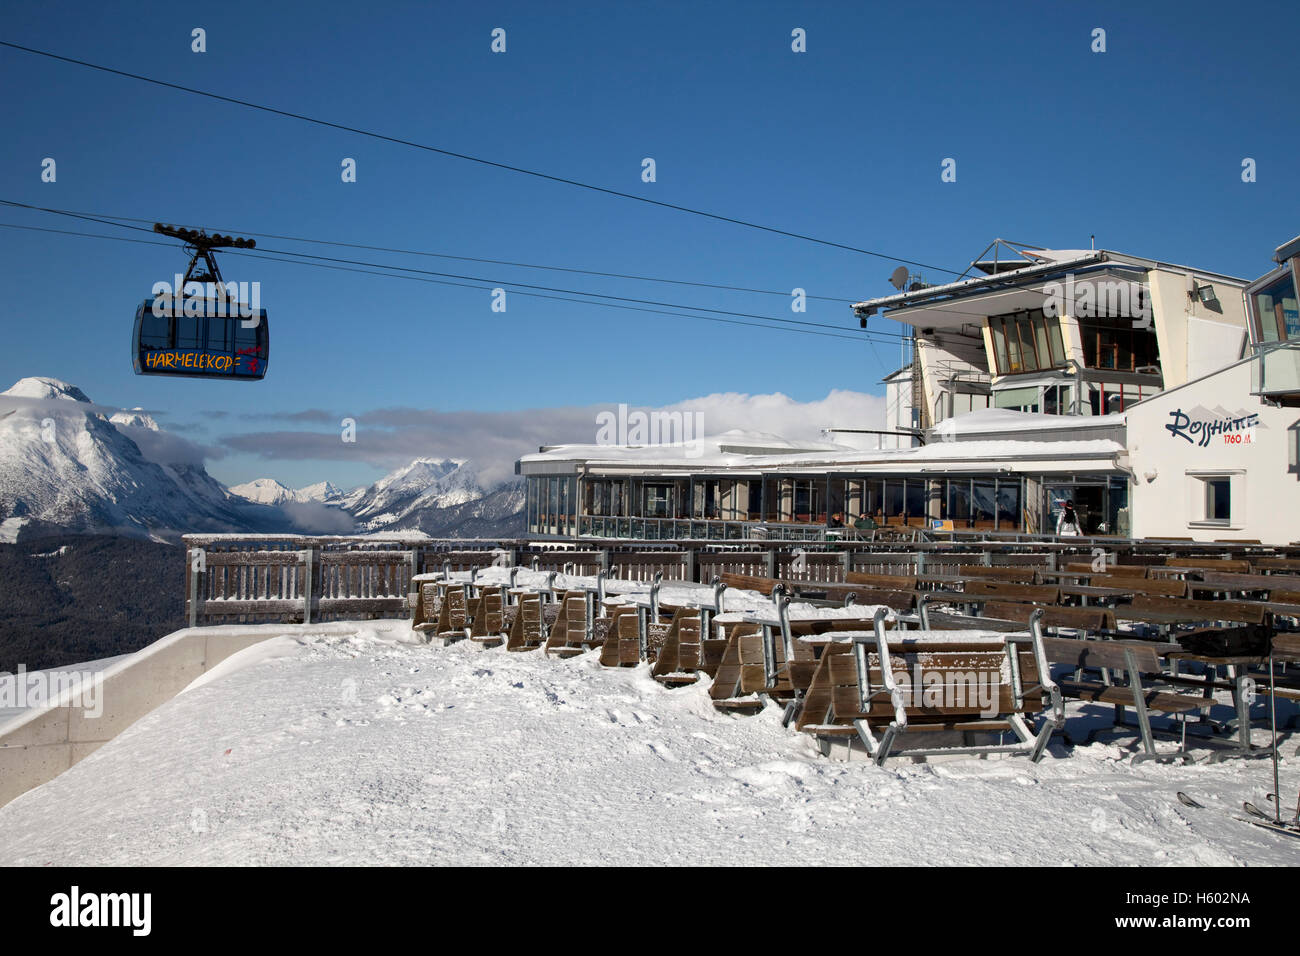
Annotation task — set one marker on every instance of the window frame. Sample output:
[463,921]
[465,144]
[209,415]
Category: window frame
[1035,337]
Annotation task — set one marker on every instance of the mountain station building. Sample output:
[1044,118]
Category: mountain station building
[1161,400]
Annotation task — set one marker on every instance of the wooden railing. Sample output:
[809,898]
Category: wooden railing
[233,579]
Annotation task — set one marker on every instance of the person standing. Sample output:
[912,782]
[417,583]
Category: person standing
[1068,523]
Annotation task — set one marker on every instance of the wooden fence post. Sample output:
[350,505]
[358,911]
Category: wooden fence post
[194,573]
[308,585]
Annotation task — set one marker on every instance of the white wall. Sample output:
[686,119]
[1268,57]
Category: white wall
[1182,342]
[40,744]
[898,412]
[1265,495]
[944,356]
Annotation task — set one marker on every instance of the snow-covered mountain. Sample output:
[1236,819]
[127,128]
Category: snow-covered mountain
[424,483]
[439,496]
[68,464]
[268,491]
[321,491]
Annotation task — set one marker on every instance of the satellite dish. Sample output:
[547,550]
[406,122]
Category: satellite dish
[898,278]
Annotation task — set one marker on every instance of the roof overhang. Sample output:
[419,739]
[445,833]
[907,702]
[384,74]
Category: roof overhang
[968,302]
[973,305]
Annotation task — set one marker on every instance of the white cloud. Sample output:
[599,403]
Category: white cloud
[391,437]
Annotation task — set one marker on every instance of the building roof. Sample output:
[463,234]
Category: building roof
[970,444]
[1015,289]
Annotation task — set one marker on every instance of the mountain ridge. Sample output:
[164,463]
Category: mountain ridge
[68,465]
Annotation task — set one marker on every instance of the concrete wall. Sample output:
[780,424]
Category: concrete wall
[1181,358]
[42,743]
[1168,490]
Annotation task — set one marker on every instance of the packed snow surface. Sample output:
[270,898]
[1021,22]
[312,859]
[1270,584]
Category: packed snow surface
[354,743]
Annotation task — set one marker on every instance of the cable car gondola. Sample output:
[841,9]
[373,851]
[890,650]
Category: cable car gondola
[216,335]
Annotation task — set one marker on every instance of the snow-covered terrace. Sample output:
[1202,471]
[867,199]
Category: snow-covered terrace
[356,743]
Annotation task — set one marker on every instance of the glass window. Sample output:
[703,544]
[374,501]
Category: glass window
[189,332]
[894,498]
[959,500]
[657,500]
[999,344]
[1015,363]
[802,500]
[1217,499]
[1118,346]
[914,498]
[155,331]
[221,335]
[1278,311]
[1055,343]
[1028,352]
[1008,504]
[245,338]
[1026,342]
[1040,340]
[984,501]
[1055,400]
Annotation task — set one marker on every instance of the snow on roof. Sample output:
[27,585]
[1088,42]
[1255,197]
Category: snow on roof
[728,448]
[987,420]
[951,445]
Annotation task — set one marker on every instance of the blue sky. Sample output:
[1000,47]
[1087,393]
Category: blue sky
[1141,145]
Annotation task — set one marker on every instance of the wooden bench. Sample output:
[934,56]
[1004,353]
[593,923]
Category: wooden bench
[837,592]
[488,616]
[882,582]
[726,692]
[1122,570]
[1094,620]
[1028,593]
[1136,660]
[1169,611]
[1286,565]
[890,684]
[427,607]
[902,601]
[622,645]
[990,573]
[454,619]
[1157,587]
[679,660]
[781,665]
[1238,565]
[1231,583]
[571,633]
[749,582]
[528,629]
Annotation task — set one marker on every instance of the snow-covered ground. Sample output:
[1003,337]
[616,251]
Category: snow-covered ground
[353,743]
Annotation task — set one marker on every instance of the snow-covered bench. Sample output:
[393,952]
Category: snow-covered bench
[571,634]
[488,616]
[880,686]
[528,629]
[622,644]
